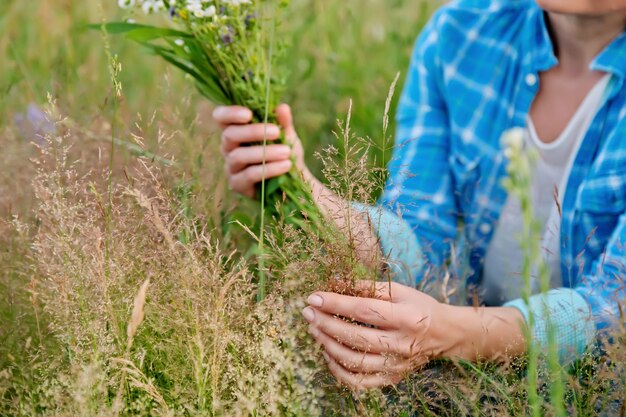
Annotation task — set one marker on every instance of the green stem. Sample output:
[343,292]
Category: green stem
[268,77]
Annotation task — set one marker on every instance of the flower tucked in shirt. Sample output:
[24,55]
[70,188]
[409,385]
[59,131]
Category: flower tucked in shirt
[448,166]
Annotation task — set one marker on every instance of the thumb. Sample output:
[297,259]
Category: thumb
[285,119]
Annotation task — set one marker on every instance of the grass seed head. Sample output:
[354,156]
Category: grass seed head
[138,311]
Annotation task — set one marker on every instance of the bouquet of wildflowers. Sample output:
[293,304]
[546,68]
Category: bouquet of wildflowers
[228,48]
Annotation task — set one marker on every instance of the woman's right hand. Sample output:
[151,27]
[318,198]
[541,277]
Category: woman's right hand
[244,164]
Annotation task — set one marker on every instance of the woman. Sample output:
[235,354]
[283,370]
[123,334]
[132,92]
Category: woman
[555,68]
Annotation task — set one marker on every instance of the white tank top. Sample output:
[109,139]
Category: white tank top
[502,280]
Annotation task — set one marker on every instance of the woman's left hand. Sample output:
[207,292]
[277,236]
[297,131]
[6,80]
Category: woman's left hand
[402,335]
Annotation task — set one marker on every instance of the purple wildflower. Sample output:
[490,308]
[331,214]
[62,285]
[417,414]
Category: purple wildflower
[249,20]
[227,36]
[35,124]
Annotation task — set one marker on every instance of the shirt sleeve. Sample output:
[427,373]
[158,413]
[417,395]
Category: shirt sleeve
[419,191]
[605,288]
[567,314]
[398,243]
[580,314]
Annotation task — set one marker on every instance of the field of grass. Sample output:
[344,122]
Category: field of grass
[126,285]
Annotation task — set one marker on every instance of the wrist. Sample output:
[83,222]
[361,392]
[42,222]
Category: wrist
[309,178]
[482,333]
[319,190]
[451,333]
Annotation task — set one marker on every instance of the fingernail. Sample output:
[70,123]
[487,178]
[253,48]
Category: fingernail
[285,150]
[309,314]
[314,331]
[272,130]
[315,300]
[243,114]
[326,357]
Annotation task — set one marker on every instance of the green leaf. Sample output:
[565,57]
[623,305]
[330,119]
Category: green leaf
[205,85]
[241,217]
[283,180]
[151,33]
[171,57]
[137,31]
[272,185]
[202,62]
[211,94]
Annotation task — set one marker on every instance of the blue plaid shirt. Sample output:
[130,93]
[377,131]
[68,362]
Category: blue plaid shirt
[473,75]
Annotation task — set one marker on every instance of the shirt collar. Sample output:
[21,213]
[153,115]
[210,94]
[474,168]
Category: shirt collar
[539,53]
[540,50]
[613,60]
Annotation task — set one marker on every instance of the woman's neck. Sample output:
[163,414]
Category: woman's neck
[579,39]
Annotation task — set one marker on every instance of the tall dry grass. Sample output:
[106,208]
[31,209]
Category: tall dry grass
[144,308]
[194,339]
[81,233]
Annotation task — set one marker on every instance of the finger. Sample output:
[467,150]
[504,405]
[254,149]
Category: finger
[243,181]
[241,157]
[233,136]
[356,361]
[360,381]
[353,336]
[232,115]
[365,310]
[379,290]
[285,119]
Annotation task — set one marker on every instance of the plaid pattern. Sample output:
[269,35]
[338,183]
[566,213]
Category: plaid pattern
[474,75]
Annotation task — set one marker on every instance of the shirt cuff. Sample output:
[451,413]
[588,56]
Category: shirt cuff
[398,243]
[569,315]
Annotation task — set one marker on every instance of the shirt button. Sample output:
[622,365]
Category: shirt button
[531,80]
[485,228]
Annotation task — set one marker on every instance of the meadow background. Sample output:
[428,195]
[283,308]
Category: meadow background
[131,189]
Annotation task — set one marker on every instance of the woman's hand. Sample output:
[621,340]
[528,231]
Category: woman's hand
[244,167]
[407,329]
[244,164]
[402,339]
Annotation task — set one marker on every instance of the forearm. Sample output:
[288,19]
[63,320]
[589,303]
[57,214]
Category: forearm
[484,333]
[354,224]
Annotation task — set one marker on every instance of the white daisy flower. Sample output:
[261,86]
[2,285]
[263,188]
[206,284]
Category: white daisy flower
[151,6]
[210,11]
[237,2]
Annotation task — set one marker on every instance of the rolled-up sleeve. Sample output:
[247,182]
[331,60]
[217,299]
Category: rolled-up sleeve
[564,312]
[398,243]
[578,315]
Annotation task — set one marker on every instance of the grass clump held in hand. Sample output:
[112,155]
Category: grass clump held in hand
[228,47]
